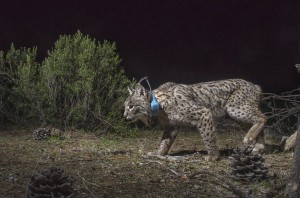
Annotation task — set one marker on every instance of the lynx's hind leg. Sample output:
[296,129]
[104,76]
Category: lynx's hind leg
[258,122]
[243,106]
[248,115]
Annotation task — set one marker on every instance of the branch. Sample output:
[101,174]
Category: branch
[220,181]
[6,75]
[283,107]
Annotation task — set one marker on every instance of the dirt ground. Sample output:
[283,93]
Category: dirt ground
[111,166]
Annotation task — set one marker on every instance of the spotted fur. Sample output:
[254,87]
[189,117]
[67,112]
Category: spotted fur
[197,105]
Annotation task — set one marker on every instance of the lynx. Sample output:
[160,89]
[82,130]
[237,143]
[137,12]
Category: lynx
[197,105]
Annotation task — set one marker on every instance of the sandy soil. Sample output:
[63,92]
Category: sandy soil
[111,166]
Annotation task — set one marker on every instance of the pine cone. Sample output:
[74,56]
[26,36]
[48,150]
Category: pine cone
[41,134]
[247,166]
[45,133]
[50,183]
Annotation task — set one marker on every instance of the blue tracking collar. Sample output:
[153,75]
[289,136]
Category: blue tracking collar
[154,105]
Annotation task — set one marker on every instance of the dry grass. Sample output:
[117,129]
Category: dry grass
[110,166]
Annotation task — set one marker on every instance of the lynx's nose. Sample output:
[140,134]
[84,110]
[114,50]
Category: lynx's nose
[129,118]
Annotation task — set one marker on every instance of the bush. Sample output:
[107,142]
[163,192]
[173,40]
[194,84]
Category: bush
[84,83]
[79,84]
[18,83]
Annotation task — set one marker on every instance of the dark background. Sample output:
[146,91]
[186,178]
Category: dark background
[185,41]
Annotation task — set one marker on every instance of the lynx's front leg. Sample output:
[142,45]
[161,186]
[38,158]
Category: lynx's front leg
[207,130]
[167,141]
[201,117]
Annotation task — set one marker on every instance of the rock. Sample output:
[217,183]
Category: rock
[290,142]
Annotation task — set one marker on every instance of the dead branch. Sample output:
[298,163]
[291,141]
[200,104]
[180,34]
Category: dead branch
[84,181]
[164,166]
[48,162]
[221,182]
[102,120]
[6,75]
[283,109]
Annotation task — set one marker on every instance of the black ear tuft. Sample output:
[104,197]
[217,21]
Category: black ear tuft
[140,90]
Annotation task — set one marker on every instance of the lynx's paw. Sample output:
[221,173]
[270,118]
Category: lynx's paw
[258,148]
[212,157]
[248,140]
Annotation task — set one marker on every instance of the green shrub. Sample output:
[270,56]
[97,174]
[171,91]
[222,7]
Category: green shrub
[84,83]
[18,83]
[79,84]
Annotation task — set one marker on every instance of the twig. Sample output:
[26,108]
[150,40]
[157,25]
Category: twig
[221,182]
[164,166]
[283,107]
[101,119]
[45,162]
[6,75]
[84,183]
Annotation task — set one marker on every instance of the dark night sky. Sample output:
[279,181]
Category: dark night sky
[185,41]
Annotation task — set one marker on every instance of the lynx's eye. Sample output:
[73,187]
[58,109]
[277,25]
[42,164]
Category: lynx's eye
[130,107]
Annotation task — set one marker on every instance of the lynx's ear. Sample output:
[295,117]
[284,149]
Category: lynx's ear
[140,90]
[130,90]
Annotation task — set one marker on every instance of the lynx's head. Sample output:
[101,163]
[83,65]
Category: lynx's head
[137,105]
